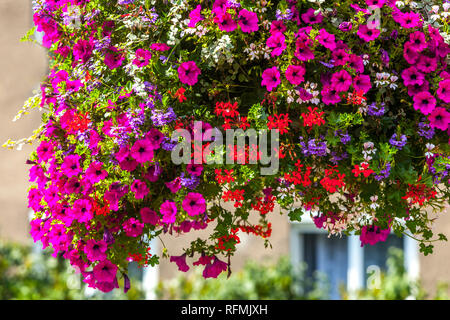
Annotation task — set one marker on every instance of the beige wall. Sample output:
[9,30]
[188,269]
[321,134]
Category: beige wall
[22,66]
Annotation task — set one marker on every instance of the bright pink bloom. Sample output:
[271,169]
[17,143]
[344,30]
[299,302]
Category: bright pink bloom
[367,34]
[96,250]
[248,21]
[142,151]
[82,210]
[155,137]
[44,151]
[214,269]
[105,271]
[362,83]
[294,74]
[340,57]
[303,52]
[410,20]
[169,212]
[277,26]
[114,58]
[174,185]
[412,76]
[71,165]
[159,47]
[195,16]
[149,216]
[271,78]
[188,73]
[142,57]
[356,62]
[310,18]
[133,227]
[410,55]
[373,234]
[95,172]
[425,102]
[225,22]
[427,64]
[330,95]
[341,81]
[194,169]
[181,262]
[439,118]
[139,188]
[83,50]
[326,39]
[277,42]
[443,91]
[418,41]
[375,3]
[194,204]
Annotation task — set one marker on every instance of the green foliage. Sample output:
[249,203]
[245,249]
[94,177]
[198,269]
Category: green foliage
[29,273]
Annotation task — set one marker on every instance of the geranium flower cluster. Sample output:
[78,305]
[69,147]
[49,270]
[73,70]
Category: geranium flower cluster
[358,91]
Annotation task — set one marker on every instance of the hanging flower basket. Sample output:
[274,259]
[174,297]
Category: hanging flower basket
[347,103]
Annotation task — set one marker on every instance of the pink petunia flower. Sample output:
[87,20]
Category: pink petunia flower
[411,76]
[82,210]
[309,17]
[271,78]
[133,227]
[373,234]
[427,64]
[139,188]
[105,271]
[443,91]
[248,21]
[82,50]
[326,39]
[154,137]
[214,269]
[303,52]
[45,151]
[181,262]
[425,102]
[71,165]
[149,216]
[277,42]
[195,16]
[440,118]
[142,151]
[142,58]
[409,20]
[368,34]
[96,250]
[194,204]
[330,95]
[410,55]
[169,212]
[194,169]
[418,41]
[225,22]
[341,81]
[188,73]
[113,58]
[294,74]
[277,26]
[362,82]
[95,172]
[159,47]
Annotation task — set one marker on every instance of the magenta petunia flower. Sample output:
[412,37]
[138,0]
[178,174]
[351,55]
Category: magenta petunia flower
[155,137]
[105,271]
[373,234]
[95,172]
[424,102]
[303,52]
[309,17]
[139,188]
[271,78]
[142,58]
[195,16]
[410,20]
[375,3]
[330,95]
[96,250]
[45,151]
[194,204]
[368,34]
[443,91]
[169,212]
[149,216]
[326,39]
[412,76]
[174,185]
[133,227]
[248,21]
[416,89]
[440,118]
[277,42]
[153,173]
[225,22]
[181,262]
[142,151]
[71,165]
[188,73]
[82,210]
[356,63]
[277,26]
[214,269]
[220,6]
[362,82]
[341,81]
[294,74]
[194,169]
[73,185]
[113,58]
[410,55]
[340,57]
[82,50]
[418,41]
[427,64]
[159,47]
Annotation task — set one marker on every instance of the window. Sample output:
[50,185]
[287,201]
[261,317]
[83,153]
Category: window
[342,260]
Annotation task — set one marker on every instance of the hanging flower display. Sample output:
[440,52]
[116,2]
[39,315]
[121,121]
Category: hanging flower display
[347,102]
